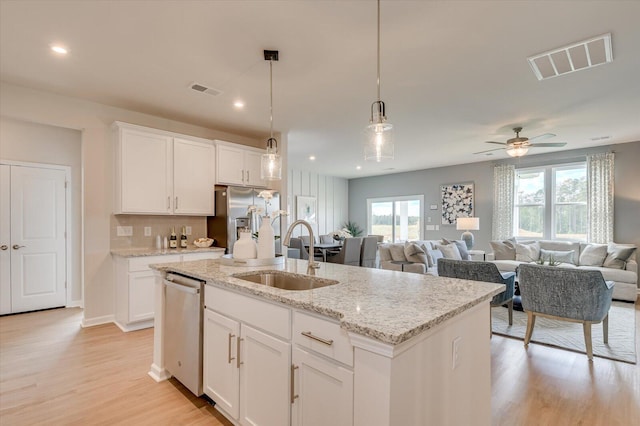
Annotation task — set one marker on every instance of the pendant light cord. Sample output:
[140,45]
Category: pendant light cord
[378,50]
[271,97]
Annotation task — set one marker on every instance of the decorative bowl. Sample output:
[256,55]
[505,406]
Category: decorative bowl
[203,242]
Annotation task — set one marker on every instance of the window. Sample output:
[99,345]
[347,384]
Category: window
[396,218]
[551,202]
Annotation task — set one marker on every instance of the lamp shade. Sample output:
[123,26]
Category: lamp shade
[468,223]
[517,151]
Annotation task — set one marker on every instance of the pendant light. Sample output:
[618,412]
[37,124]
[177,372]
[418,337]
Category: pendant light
[379,137]
[271,163]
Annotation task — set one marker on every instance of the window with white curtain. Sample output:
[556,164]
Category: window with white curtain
[396,218]
[551,202]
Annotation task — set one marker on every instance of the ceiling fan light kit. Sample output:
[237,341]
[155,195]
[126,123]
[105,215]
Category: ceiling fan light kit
[271,162]
[379,133]
[519,146]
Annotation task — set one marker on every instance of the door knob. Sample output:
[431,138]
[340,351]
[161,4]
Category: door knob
[17,247]
[4,247]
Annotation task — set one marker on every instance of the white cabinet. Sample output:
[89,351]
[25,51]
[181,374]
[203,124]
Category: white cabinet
[135,281]
[246,369]
[163,173]
[238,165]
[323,391]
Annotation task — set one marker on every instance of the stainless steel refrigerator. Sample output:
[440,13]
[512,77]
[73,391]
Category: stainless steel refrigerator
[233,214]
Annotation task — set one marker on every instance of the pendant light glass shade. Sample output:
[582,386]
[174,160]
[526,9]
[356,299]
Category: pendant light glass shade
[517,151]
[271,162]
[378,144]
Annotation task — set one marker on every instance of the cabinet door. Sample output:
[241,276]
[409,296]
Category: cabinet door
[141,292]
[188,257]
[324,389]
[264,379]
[221,378]
[145,173]
[193,177]
[252,165]
[230,165]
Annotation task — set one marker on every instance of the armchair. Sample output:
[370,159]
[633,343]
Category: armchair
[566,294]
[482,271]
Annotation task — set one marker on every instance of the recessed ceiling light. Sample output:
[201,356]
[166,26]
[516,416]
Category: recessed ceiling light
[358,167]
[312,157]
[59,49]
[238,104]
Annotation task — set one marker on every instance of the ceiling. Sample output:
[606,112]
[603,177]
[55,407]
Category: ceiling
[454,74]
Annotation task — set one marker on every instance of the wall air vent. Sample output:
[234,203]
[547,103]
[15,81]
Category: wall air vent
[574,57]
[204,89]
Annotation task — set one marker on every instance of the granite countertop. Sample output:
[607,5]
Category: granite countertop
[388,306]
[147,251]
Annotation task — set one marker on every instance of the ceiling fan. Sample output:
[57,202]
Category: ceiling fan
[519,146]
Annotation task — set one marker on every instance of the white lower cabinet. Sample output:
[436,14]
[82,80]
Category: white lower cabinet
[323,391]
[246,371]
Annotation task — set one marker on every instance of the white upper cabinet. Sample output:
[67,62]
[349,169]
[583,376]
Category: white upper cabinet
[238,165]
[163,173]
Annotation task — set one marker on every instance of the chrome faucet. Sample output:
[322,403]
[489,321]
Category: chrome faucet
[313,265]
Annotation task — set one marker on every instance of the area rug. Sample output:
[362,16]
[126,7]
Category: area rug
[569,335]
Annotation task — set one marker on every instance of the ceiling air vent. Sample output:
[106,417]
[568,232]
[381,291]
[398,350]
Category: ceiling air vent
[204,89]
[574,57]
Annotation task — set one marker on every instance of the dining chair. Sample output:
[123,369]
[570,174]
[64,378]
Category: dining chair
[326,239]
[297,243]
[349,254]
[368,251]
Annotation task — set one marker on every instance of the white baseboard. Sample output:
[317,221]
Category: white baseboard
[158,374]
[134,326]
[90,322]
[75,304]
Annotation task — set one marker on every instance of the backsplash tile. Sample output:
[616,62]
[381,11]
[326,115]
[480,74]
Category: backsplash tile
[160,225]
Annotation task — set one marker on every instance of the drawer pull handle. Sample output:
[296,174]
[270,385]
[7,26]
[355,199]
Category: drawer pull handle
[293,382]
[316,338]
[230,358]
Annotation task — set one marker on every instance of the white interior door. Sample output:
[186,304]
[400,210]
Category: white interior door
[38,252]
[5,239]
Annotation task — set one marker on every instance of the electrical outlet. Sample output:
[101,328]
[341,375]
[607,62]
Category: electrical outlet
[455,349]
[430,227]
[188,230]
[437,227]
[429,219]
[124,231]
[147,231]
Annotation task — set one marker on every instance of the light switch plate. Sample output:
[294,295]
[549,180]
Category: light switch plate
[147,231]
[124,231]
[188,230]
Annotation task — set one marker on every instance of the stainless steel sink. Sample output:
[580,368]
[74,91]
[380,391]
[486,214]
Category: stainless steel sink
[286,281]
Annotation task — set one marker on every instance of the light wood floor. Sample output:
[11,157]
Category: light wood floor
[56,373]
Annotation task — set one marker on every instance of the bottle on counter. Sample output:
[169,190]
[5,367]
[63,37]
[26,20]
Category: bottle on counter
[183,238]
[166,243]
[173,239]
[158,242]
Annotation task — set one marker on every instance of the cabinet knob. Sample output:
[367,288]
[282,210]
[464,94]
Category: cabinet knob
[16,247]
[4,247]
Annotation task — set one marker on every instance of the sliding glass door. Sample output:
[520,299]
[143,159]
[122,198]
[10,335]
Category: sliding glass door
[397,219]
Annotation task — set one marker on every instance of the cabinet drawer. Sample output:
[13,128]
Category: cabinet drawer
[142,263]
[336,343]
[263,315]
[188,257]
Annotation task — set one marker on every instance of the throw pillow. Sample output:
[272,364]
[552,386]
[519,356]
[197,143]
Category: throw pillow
[558,256]
[449,251]
[435,255]
[617,256]
[503,250]
[462,248]
[427,251]
[397,252]
[527,252]
[593,255]
[414,253]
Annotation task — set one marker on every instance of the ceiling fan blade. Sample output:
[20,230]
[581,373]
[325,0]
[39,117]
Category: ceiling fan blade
[542,137]
[499,143]
[488,150]
[548,145]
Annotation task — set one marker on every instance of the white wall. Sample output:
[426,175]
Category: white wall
[94,121]
[36,143]
[332,199]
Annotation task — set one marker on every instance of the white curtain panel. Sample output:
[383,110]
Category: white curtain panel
[600,169]
[503,193]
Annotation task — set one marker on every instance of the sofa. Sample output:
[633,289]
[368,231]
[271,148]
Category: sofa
[394,256]
[616,262]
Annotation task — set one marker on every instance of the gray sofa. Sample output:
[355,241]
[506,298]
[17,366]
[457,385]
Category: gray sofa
[623,273]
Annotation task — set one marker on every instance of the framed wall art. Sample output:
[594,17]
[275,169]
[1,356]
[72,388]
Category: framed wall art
[306,208]
[457,201]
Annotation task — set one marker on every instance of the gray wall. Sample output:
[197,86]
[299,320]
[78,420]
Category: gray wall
[427,182]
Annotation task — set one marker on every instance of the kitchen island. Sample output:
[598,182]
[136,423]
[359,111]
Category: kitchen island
[378,348]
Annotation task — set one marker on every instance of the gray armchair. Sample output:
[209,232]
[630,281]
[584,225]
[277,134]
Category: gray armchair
[482,271]
[574,295]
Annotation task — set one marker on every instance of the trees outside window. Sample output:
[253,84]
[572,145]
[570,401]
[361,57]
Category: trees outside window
[396,218]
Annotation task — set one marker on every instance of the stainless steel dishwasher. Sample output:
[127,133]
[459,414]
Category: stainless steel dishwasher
[184,303]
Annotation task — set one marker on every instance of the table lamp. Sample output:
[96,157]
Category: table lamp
[468,224]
